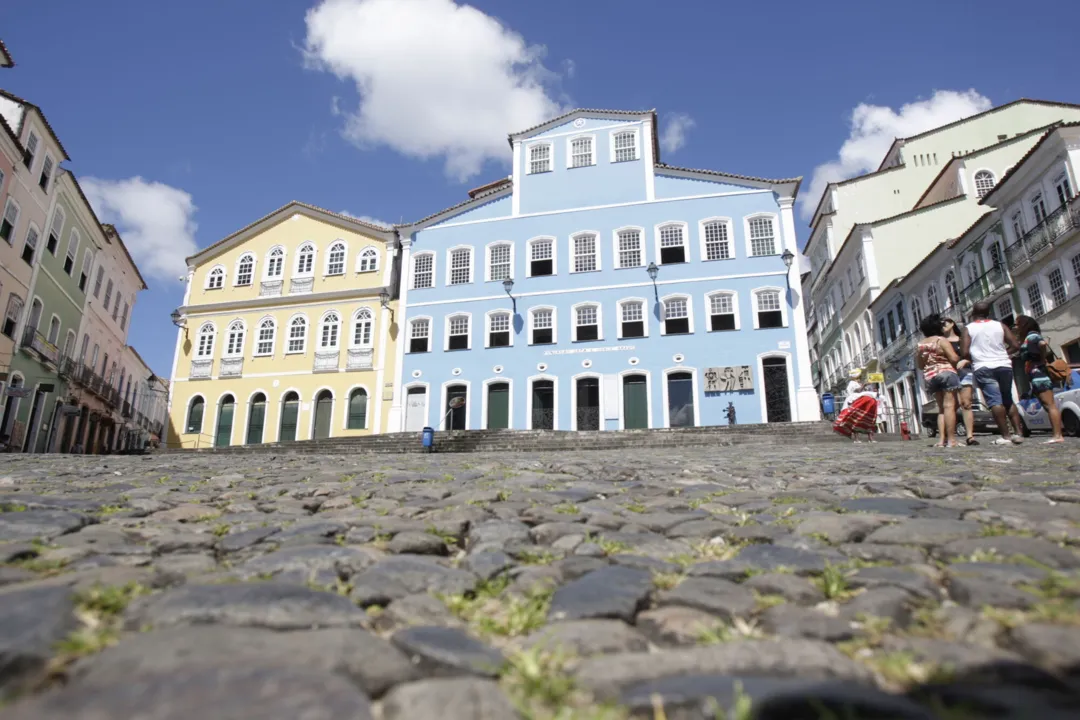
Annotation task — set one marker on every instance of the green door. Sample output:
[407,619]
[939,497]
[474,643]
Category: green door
[289,412]
[324,406]
[224,422]
[498,406]
[256,419]
[635,402]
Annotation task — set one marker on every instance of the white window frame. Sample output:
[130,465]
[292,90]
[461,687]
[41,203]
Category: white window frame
[239,262]
[450,262]
[689,311]
[52,173]
[430,326]
[288,334]
[975,181]
[554,254]
[412,270]
[204,329]
[273,337]
[269,263]
[644,315]
[209,285]
[703,246]
[554,323]
[300,254]
[637,143]
[734,295]
[599,320]
[487,264]
[685,239]
[228,339]
[49,333]
[324,325]
[754,304]
[1029,308]
[1063,177]
[591,137]
[15,225]
[616,261]
[74,240]
[356,320]
[596,245]
[1048,289]
[32,139]
[344,258]
[446,330]
[364,253]
[528,157]
[58,214]
[778,241]
[487,326]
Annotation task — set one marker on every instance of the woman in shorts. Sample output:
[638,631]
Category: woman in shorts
[937,360]
[1035,352]
[951,332]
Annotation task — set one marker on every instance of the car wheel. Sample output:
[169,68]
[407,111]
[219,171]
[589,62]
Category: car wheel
[1070,424]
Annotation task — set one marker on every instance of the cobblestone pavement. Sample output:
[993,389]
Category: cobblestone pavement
[889,580]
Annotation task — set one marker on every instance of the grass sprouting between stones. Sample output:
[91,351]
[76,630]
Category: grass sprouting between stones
[567,509]
[737,629]
[539,685]
[98,611]
[833,582]
[492,611]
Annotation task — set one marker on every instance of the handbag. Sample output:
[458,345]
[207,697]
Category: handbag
[1058,371]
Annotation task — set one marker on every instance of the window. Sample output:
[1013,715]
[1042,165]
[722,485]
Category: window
[335,259]
[676,316]
[672,244]
[72,251]
[31,246]
[1061,186]
[762,237]
[541,257]
[628,252]
[1075,262]
[30,150]
[892,326]
[1038,206]
[1057,286]
[916,311]
[362,328]
[995,255]
[457,336]
[624,146]
[297,335]
[539,158]
[54,330]
[329,331]
[717,240]
[204,347]
[116,306]
[10,220]
[460,266]
[722,312]
[108,293]
[1018,225]
[87,261]
[368,261]
[46,174]
[245,269]
[357,409]
[55,230]
[214,281]
[769,312]
[123,316]
[499,261]
[275,263]
[305,259]
[82,350]
[860,268]
[264,344]
[932,300]
[499,329]
[583,249]
[195,416]
[587,322]
[419,335]
[951,289]
[883,334]
[1035,301]
[632,319]
[581,152]
[234,341]
[972,271]
[1005,310]
[423,275]
[543,326]
[984,182]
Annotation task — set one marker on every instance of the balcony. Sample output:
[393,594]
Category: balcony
[1055,225]
[360,359]
[299,286]
[326,361]
[45,350]
[270,288]
[231,367]
[903,343]
[866,354]
[201,369]
[986,286]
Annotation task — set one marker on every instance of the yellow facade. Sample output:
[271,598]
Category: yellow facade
[283,320]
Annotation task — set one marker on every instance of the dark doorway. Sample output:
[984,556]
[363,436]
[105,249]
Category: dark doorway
[256,419]
[680,393]
[324,408]
[588,403]
[635,402]
[777,396]
[223,437]
[498,406]
[290,410]
[456,419]
[543,405]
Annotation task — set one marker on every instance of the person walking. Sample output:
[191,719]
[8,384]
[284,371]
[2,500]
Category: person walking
[1036,354]
[988,343]
[951,332]
[854,387]
[859,416]
[937,360]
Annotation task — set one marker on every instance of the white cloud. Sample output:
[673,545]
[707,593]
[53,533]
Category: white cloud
[366,218]
[874,127]
[154,219]
[435,79]
[673,136]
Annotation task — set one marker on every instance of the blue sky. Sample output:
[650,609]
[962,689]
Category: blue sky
[186,121]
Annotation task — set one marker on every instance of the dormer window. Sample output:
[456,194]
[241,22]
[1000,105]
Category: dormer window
[984,182]
[30,151]
[624,146]
[539,158]
[581,151]
[46,174]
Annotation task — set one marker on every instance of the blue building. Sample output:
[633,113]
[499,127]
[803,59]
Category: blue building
[600,289]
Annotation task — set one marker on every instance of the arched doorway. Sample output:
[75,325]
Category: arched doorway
[11,410]
[680,395]
[543,405]
[635,402]
[416,409]
[587,414]
[777,395]
[498,406]
[290,411]
[324,410]
[358,402]
[223,436]
[456,416]
[256,419]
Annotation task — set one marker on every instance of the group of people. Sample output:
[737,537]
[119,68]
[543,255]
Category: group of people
[953,361]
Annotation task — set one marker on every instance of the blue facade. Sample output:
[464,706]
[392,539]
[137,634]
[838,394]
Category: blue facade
[600,206]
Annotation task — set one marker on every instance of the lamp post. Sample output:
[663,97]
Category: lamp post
[179,321]
[653,271]
[788,257]
[384,301]
[508,286]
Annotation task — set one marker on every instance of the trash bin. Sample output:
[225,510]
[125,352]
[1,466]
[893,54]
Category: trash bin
[428,438]
[828,405]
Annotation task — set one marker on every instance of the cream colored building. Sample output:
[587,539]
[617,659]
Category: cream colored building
[287,332]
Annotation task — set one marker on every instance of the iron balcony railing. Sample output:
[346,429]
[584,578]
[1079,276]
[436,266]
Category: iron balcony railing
[231,367]
[866,354]
[904,342]
[359,359]
[1058,223]
[989,283]
[201,369]
[37,342]
[326,361]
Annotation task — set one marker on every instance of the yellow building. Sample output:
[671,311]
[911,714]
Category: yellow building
[286,332]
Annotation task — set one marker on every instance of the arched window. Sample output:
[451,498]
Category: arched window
[951,289]
[420,335]
[216,279]
[368,260]
[54,330]
[500,261]
[297,335]
[357,409]
[335,259]
[932,300]
[629,250]
[723,311]
[195,415]
[769,312]
[984,182]
[275,263]
[234,343]
[361,336]
[329,332]
[672,239]
[245,269]
[587,322]
[423,275]
[204,347]
[498,331]
[631,318]
[762,236]
[541,257]
[305,259]
[458,335]
[677,315]
[264,345]
[916,311]
[542,326]
[460,270]
[584,254]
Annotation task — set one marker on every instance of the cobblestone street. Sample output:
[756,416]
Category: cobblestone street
[887,580]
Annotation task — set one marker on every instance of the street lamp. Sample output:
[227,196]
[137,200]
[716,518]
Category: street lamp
[177,319]
[653,271]
[788,257]
[508,286]
[384,300]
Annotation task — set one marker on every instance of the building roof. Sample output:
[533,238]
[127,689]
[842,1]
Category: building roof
[5,57]
[385,233]
[483,189]
[139,358]
[44,120]
[956,240]
[111,233]
[985,200]
[733,176]
[483,193]
[580,112]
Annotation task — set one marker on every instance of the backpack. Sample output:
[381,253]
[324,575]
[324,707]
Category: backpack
[1058,371]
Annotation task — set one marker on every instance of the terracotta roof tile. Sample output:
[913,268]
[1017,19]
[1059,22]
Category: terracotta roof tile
[665,166]
[481,193]
[1019,163]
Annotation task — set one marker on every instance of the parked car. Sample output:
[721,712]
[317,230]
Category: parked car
[1068,401]
[984,420]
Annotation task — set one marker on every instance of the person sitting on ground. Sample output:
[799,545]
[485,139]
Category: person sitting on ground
[937,360]
[1036,354]
[951,332]
[988,343]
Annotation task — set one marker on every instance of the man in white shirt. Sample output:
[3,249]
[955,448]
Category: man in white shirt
[987,343]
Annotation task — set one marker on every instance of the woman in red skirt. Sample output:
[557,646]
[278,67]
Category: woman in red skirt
[859,417]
